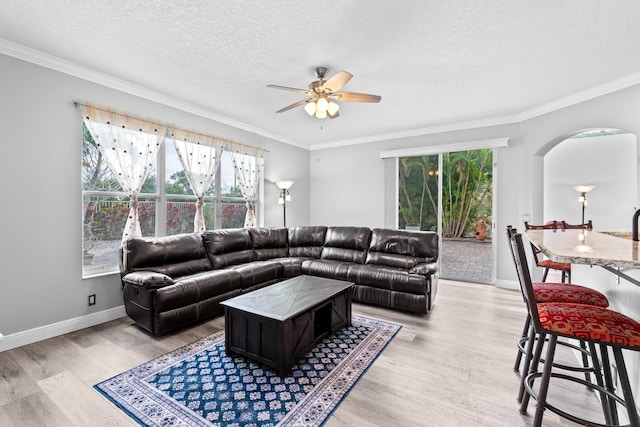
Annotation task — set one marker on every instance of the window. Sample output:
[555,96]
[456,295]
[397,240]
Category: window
[166,203]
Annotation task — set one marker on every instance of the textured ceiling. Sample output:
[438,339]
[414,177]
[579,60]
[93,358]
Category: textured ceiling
[433,62]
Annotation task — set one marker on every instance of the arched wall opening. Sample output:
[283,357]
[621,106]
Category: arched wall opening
[603,157]
[606,159]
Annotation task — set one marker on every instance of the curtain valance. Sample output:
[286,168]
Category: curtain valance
[109,116]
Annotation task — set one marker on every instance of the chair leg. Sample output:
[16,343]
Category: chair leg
[544,381]
[597,372]
[524,402]
[585,360]
[525,332]
[569,276]
[634,421]
[606,369]
[527,362]
[544,275]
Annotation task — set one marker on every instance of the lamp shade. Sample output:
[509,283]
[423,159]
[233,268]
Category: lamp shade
[310,108]
[583,188]
[322,104]
[284,184]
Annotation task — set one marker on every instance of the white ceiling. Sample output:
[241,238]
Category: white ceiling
[435,63]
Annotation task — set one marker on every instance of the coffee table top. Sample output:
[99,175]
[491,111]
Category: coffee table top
[288,298]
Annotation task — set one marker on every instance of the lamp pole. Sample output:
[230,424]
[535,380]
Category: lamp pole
[283,196]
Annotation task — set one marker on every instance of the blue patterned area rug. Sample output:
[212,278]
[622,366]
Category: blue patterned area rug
[199,385]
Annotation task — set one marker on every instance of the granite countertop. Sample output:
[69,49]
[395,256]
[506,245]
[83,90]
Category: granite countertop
[604,248]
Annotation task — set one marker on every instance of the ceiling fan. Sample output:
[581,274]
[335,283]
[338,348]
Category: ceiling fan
[323,94]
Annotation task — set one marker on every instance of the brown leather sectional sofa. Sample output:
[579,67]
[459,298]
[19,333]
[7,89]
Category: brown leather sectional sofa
[171,282]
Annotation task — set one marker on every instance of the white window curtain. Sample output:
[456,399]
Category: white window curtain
[249,166]
[129,146]
[200,157]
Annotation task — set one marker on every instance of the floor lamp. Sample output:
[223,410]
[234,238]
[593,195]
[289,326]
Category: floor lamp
[284,197]
[582,199]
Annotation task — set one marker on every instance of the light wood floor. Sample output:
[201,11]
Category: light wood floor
[452,367]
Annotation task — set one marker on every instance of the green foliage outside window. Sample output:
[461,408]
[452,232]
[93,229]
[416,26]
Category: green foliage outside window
[466,191]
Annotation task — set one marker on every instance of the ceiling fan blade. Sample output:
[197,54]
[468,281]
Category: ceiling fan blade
[294,105]
[338,81]
[355,97]
[293,89]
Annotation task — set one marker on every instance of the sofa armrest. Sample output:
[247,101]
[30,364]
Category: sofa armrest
[147,279]
[425,269]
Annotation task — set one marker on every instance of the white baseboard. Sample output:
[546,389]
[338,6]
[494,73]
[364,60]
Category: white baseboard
[508,284]
[60,328]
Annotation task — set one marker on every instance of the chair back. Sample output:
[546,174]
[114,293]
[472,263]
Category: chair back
[586,226]
[551,225]
[524,277]
[510,233]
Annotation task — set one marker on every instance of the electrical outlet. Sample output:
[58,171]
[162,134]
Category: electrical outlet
[92,299]
[526,218]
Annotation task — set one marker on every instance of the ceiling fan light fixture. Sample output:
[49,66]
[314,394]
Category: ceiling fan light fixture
[310,108]
[332,108]
[322,104]
[321,114]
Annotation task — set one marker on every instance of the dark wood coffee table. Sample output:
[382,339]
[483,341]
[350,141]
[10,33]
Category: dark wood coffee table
[279,324]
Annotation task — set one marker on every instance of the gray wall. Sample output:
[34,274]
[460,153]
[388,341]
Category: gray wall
[40,224]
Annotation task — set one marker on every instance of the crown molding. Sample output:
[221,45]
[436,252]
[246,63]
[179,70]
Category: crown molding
[39,58]
[54,63]
[585,95]
[496,121]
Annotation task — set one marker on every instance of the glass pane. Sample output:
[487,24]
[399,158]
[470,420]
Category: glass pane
[180,216]
[102,232]
[177,182]
[466,199]
[233,214]
[104,220]
[466,215]
[96,175]
[227,175]
[418,193]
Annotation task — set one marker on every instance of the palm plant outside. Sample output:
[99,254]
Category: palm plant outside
[466,191]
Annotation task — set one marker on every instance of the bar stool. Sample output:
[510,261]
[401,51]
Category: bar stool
[547,264]
[554,292]
[595,325]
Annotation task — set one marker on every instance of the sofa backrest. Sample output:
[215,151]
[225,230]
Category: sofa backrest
[228,246]
[346,244]
[269,242]
[306,241]
[402,248]
[175,256]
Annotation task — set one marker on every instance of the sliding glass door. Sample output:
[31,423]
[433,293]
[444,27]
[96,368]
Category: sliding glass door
[452,193]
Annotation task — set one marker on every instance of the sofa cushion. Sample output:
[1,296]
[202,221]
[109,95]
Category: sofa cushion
[228,247]
[269,242]
[174,256]
[401,248]
[258,272]
[197,287]
[326,268]
[393,279]
[346,244]
[306,241]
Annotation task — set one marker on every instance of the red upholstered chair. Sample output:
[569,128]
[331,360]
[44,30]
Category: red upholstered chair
[548,264]
[554,292]
[598,326]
